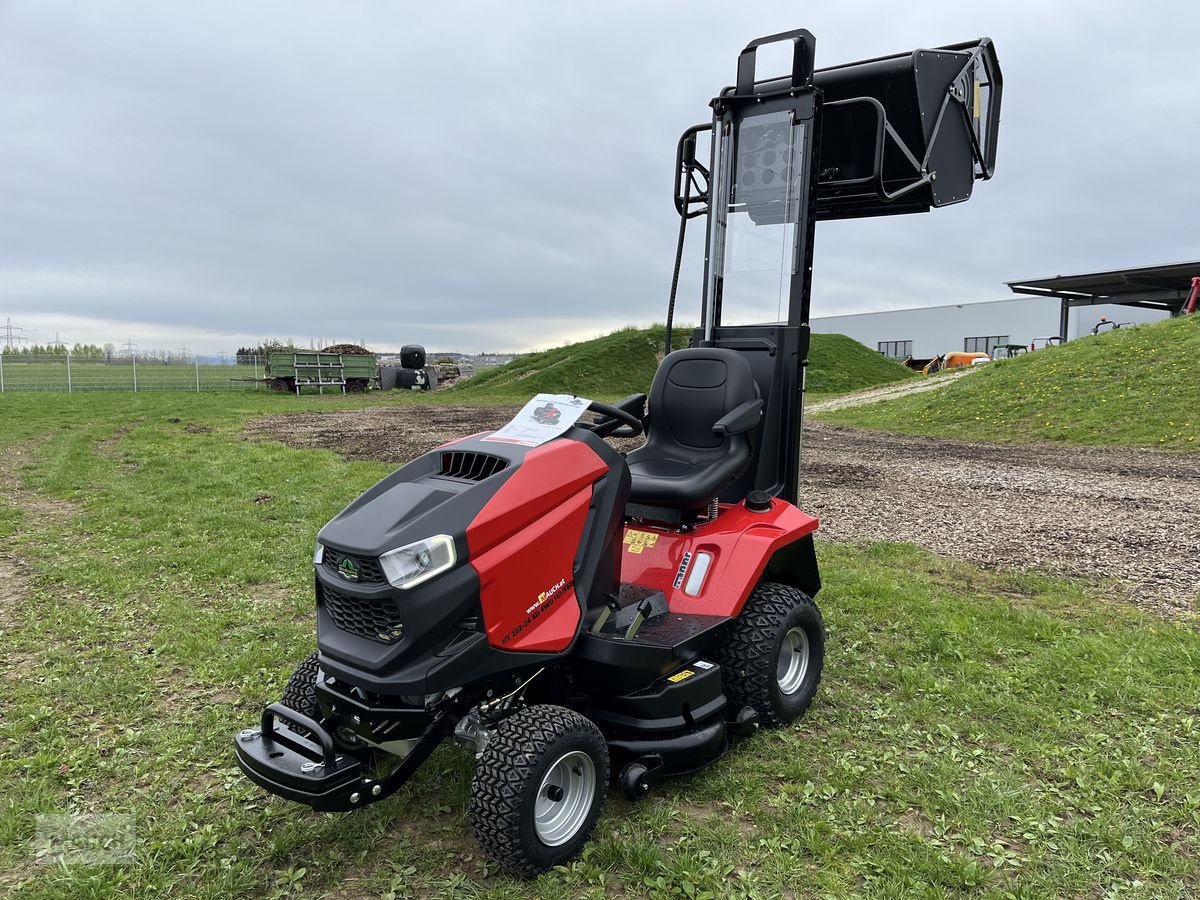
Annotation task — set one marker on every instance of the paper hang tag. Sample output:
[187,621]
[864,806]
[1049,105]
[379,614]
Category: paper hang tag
[543,418]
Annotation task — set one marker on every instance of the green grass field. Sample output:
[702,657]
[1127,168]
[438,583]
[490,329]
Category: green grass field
[978,734]
[1136,386]
[623,363]
[88,377]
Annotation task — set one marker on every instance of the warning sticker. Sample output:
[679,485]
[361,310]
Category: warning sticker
[680,676]
[544,417]
[637,541]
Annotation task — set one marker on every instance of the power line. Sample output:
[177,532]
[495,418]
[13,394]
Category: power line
[12,333]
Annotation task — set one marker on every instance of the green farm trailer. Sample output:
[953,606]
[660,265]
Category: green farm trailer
[291,370]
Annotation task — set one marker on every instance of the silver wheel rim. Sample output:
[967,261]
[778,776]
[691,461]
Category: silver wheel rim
[792,665]
[564,798]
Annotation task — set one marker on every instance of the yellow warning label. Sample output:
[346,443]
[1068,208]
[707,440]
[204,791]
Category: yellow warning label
[680,676]
[977,99]
[637,541]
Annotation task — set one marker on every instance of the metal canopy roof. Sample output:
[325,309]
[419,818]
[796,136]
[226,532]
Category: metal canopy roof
[1155,287]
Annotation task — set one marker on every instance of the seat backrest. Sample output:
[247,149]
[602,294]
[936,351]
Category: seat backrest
[692,389]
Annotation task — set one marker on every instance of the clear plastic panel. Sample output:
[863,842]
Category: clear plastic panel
[759,227]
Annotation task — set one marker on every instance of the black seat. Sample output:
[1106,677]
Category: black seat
[703,403]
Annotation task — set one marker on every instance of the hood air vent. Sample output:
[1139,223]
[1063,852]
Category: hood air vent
[471,466]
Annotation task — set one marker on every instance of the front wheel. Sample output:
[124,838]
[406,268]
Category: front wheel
[772,656]
[301,691]
[539,787]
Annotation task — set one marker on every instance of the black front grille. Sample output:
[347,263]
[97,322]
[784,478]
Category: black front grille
[368,569]
[471,466]
[376,618]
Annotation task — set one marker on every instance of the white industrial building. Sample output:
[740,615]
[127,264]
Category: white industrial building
[1064,306]
[928,331]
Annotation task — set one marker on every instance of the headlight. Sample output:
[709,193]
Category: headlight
[416,563]
[319,555]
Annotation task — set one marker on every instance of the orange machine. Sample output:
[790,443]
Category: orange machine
[953,360]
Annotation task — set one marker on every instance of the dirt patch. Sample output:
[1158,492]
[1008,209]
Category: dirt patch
[13,585]
[387,434]
[111,447]
[915,822]
[14,575]
[1128,515]
[11,462]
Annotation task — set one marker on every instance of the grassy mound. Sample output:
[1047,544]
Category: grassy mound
[623,363]
[1136,387]
[615,365]
[838,364]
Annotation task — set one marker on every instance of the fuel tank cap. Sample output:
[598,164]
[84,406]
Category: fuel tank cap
[758,501]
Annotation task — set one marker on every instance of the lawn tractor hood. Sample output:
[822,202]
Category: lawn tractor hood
[425,581]
[393,577]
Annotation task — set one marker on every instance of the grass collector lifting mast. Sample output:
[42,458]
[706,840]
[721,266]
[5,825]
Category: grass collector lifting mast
[572,613]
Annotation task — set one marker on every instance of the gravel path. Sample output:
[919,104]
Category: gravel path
[1126,514]
[1129,515]
[888,392]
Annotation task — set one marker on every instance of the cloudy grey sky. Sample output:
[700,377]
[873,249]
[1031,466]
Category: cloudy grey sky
[498,175]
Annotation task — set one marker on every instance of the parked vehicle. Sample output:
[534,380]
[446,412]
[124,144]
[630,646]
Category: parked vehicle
[569,612]
[955,360]
[291,370]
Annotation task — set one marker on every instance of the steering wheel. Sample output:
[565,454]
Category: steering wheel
[617,422]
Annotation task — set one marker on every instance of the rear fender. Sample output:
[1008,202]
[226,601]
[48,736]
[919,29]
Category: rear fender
[795,564]
[712,569]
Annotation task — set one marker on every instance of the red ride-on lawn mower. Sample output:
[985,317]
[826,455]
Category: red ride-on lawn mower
[571,613]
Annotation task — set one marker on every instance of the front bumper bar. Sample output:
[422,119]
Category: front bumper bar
[311,771]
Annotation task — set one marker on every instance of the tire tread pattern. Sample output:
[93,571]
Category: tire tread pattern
[747,663]
[301,691]
[502,778]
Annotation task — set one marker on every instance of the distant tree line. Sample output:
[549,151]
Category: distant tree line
[94,353]
[83,351]
[247,355]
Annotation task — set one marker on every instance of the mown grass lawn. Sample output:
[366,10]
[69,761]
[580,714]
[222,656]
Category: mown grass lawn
[978,734]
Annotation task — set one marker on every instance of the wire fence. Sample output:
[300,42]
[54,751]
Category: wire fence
[21,373]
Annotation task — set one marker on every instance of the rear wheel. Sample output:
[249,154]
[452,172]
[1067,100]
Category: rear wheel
[771,658]
[539,787]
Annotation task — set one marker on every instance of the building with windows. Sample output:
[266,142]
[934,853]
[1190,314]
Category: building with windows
[1065,306]
[929,331]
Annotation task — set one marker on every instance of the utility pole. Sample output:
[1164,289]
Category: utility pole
[12,333]
[132,348]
